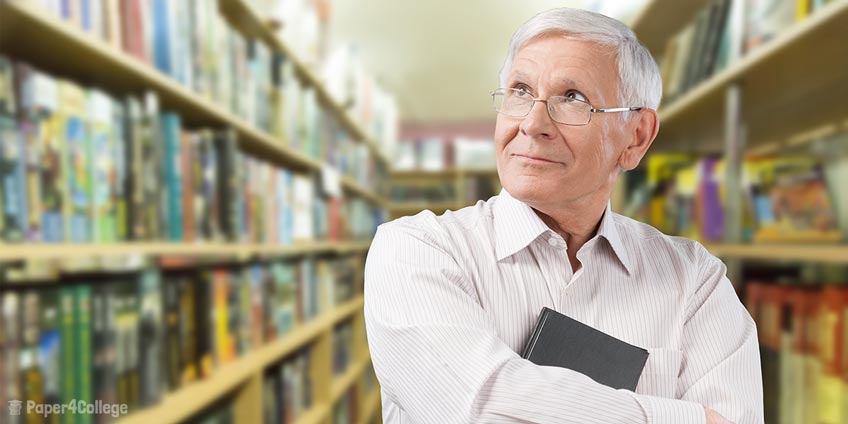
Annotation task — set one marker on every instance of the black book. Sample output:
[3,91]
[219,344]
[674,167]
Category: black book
[564,342]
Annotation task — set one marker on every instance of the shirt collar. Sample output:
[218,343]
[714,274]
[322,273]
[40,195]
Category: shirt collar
[517,225]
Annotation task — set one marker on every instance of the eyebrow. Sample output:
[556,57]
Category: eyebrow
[568,82]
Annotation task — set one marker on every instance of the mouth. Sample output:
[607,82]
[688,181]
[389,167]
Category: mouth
[534,159]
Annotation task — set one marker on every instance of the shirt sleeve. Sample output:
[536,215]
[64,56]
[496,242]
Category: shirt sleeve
[439,358]
[722,360]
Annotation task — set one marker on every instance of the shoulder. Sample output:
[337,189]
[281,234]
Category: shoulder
[645,239]
[427,231]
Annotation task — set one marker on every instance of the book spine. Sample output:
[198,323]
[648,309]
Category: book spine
[12,175]
[120,185]
[82,349]
[102,167]
[188,162]
[172,333]
[150,340]
[67,300]
[77,165]
[172,202]
[188,329]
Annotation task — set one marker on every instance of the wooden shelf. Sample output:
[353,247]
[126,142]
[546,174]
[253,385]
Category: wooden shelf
[187,401]
[833,254]
[66,251]
[420,206]
[445,173]
[660,19]
[31,34]
[792,84]
[245,17]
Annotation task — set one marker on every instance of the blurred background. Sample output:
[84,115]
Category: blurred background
[189,188]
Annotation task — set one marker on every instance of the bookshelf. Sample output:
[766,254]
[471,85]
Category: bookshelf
[30,34]
[58,47]
[751,108]
[774,76]
[186,402]
[233,250]
[829,254]
[659,18]
[456,187]
[782,97]
[245,17]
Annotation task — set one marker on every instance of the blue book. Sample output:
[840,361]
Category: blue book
[12,174]
[171,165]
[162,57]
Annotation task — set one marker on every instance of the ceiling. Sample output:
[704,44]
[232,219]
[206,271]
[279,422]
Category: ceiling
[441,58]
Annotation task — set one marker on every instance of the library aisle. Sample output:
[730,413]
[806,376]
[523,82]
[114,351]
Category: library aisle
[189,189]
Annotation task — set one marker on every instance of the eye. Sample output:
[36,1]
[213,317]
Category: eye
[574,94]
[522,91]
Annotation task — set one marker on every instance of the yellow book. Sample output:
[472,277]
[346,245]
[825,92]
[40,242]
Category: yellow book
[802,9]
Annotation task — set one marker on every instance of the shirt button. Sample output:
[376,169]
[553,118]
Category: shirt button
[553,242]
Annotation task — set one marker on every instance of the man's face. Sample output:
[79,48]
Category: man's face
[543,162]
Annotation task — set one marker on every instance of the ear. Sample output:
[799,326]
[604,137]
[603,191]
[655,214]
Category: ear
[642,131]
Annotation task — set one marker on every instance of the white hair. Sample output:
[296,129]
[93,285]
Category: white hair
[639,78]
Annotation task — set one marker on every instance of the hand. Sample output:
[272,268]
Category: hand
[713,417]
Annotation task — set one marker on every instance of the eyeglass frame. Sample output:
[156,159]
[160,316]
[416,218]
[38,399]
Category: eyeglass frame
[592,109]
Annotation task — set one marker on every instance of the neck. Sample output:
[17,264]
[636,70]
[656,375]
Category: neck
[576,226]
[577,222]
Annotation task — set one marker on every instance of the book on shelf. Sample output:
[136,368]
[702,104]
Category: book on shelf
[131,337]
[193,44]
[288,390]
[801,329]
[721,33]
[791,198]
[82,166]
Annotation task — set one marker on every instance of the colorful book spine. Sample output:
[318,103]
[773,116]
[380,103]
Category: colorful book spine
[83,361]
[77,165]
[172,176]
[150,337]
[103,172]
[67,301]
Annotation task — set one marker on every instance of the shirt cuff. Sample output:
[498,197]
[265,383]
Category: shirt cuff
[672,411]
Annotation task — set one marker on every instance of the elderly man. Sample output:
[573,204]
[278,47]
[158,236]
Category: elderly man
[450,299]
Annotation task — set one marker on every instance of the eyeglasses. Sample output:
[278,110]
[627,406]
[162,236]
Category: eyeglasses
[565,110]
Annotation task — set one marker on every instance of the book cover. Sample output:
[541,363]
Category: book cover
[558,340]
[50,345]
[83,365]
[104,377]
[150,337]
[172,355]
[67,302]
[188,330]
[77,166]
[172,210]
[120,186]
[12,173]
[103,172]
[188,163]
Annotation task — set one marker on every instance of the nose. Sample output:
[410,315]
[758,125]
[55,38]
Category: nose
[538,123]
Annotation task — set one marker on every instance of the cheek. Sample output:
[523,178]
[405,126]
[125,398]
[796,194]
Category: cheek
[505,131]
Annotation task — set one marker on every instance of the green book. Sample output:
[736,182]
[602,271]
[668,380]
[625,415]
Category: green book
[82,350]
[69,366]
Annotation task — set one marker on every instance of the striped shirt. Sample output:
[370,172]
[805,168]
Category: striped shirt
[450,299]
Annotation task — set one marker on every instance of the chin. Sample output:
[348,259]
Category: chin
[531,189]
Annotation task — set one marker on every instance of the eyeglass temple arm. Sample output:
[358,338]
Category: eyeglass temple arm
[617,109]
